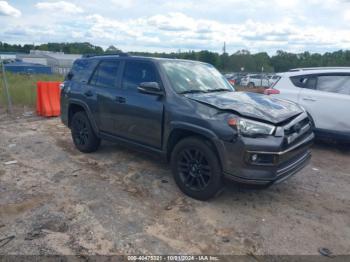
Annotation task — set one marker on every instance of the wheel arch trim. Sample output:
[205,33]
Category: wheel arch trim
[87,111]
[210,135]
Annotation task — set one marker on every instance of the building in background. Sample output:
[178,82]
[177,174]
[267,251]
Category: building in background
[59,62]
[7,56]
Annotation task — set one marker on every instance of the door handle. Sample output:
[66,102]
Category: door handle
[309,99]
[88,93]
[120,99]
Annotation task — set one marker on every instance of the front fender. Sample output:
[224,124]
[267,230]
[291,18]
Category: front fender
[207,133]
[191,127]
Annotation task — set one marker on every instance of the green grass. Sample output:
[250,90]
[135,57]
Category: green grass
[23,88]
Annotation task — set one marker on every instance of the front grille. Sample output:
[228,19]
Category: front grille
[297,128]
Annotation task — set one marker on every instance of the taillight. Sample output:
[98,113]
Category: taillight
[271,91]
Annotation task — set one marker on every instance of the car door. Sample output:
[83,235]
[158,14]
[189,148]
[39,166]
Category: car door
[327,98]
[140,115]
[104,85]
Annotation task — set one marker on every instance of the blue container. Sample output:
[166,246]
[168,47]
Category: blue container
[28,68]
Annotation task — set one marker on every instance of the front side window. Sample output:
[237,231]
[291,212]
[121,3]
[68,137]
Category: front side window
[106,74]
[334,83]
[137,72]
[311,82]
[195,77]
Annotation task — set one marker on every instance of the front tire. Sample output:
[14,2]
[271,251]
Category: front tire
[84,137]
[196,168]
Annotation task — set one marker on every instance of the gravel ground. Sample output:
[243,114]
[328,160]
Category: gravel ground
[55,200]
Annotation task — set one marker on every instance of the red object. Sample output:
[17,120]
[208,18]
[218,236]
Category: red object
[232,121]
[48,99]
[232,81]
[271,91]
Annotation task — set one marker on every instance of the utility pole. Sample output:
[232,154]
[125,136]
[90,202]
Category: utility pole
[224,48]
[9,102]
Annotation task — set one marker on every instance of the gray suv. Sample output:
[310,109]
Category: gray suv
[186,112]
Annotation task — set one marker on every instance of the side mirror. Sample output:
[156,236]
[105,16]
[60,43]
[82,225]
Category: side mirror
[151,88]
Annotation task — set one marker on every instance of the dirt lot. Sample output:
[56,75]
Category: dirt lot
[55,200]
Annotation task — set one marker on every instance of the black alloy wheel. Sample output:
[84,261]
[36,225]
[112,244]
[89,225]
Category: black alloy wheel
[196,168]
[83,135]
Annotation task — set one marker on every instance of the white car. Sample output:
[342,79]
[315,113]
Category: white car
[273,79]
[255,80]
[324,93]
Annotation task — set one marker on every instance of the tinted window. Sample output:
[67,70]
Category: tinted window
[334,84]
[137,72]
[310,82]
[299,81]
[81,70]
[106,74]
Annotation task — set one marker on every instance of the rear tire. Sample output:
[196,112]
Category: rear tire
[196,168]
[84,137]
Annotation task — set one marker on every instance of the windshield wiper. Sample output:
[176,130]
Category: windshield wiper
[192,91]
[205,91]
[218,90]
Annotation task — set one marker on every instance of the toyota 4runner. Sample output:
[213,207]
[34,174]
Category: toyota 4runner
[187,113]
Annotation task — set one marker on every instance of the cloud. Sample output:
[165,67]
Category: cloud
[158,25]
[8,10]
[171,22]
[60,6]
[347,15]
[177,30]
[124,4]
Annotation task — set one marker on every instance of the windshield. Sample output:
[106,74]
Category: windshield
[188,77]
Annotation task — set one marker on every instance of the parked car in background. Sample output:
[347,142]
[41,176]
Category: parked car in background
[324,92]
[235,79]
[273,79]
[185,112]
[255,80]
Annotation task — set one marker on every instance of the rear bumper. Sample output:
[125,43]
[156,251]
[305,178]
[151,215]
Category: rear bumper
[288,163]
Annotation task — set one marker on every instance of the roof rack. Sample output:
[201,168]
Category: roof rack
[121,54]
[319,68]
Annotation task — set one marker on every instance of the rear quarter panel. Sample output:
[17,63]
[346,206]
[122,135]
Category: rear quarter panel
[287,90]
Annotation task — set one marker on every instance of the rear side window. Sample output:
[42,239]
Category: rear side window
[299,81]
[137,72]
[81,70]
[106,74]
[334,83]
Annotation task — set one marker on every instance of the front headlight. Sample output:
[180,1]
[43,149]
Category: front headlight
[247,127]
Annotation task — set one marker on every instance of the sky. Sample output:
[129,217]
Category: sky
[164,26]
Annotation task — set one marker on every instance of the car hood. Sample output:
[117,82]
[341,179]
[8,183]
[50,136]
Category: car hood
[251,105]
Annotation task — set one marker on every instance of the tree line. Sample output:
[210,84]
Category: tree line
[240,60]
